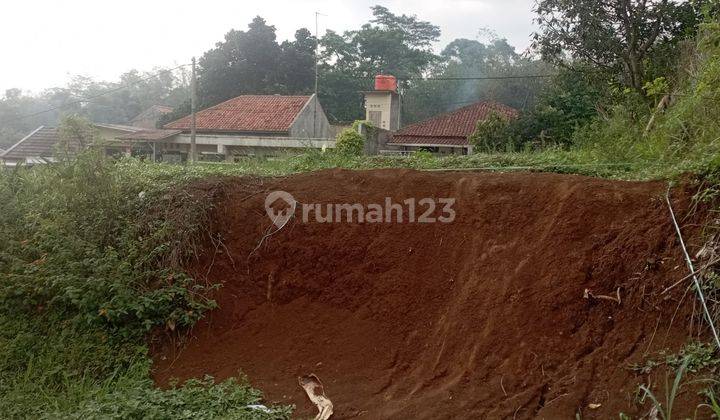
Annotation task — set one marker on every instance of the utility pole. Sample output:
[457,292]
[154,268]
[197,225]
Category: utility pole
[317,48]
[193,110]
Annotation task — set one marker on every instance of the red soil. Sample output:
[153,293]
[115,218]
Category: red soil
[482,317]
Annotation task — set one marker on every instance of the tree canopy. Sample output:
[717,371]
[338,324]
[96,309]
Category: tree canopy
[616,36]
[580,49]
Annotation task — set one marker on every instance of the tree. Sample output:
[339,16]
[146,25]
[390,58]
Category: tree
[252,62]
[296,70]
[397,45]
[616,36]
[568,102]
[471,58]
[400,45]
[244,62]
[76,134]
[112,102]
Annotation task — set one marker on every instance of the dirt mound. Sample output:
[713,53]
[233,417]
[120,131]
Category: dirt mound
[481,317]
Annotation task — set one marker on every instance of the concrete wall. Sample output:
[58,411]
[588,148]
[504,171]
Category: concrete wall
[336,129]
[234,146]
[109,134]
[376,141]
[253,141]
[388,104]
[303,126]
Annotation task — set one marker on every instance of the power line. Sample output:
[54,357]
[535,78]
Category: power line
[528,76]
[90,98]
[450,78]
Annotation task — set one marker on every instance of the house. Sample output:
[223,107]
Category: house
[150,117]
[248,125]
[40,146]
[447,133]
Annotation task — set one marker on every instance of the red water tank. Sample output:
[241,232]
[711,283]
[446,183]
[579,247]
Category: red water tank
[385,82]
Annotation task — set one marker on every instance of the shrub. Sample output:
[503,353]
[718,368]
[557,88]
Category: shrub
[492,134]
[91,261]
[350,143]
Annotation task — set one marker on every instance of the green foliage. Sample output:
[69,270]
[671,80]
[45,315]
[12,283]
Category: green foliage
[616,37]
[491,134]
[91,256]
[76,249]
[696,357]
[197,399]
[122,100]
[350,143]
[391,44]
[685,135]
[657,87]
[253,62]
[568,102]
[50,370]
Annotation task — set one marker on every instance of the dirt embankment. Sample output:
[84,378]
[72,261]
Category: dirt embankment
[481,317]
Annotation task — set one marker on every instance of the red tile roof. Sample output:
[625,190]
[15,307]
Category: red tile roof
[452,128]
[247,113]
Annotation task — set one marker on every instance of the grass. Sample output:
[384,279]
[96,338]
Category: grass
[665,408]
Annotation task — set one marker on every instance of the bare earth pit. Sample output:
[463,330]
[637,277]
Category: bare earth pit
[485,317]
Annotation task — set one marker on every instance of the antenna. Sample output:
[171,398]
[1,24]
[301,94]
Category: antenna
[317,55]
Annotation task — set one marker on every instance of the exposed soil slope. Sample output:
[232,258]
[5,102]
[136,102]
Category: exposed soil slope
[482,317]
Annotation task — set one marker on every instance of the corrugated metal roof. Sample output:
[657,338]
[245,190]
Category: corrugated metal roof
[247,113]
[152,112]
[149,135]
[452,128]
[118,127]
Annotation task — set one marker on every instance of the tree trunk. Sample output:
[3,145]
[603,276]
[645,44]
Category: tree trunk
[635,71]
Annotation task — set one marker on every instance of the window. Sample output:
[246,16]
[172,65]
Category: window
[375,117]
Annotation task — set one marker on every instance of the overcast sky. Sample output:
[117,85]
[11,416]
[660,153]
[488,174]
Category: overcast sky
[44,42]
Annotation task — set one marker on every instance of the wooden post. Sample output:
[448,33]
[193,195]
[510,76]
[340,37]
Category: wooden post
[193,110]
[317,47]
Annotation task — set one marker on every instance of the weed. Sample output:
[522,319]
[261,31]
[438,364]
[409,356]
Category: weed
[665,410]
